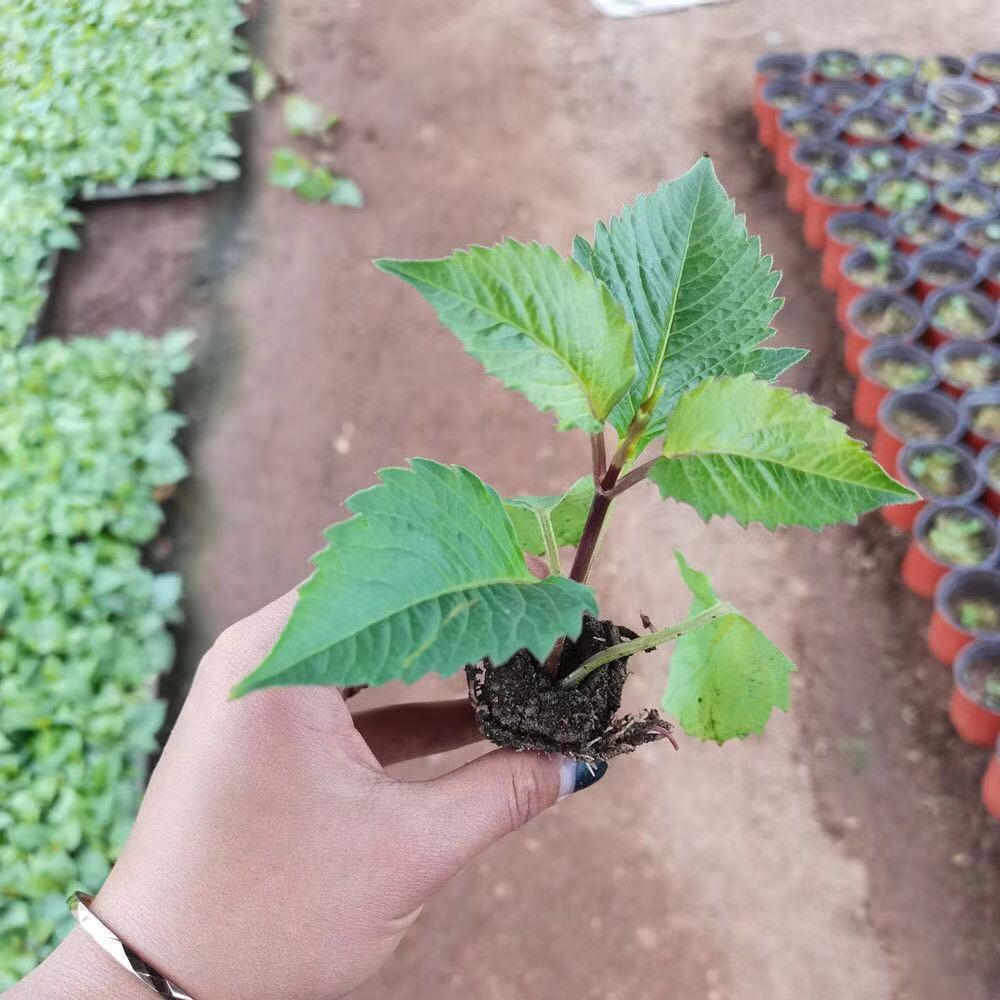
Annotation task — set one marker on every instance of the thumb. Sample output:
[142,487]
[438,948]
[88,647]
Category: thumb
[472,807]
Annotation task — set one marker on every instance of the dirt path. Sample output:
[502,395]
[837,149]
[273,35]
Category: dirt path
[840,857]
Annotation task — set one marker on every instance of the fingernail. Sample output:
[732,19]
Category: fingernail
[575,775]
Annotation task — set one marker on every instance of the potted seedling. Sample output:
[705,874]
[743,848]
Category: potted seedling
[986,67]
[886,367]
[912,416]
[975,698]
[901,95]
[796,125]
[429,573]
[977,235]
[991,784]
[775,66]
[878,161]
[827,194]
[901,194]
[989,271]
[981,132]
[883,66]
[940,67]
[936,164]
[966,607]
[810,157]
[962,365]
[986,167]
[946,536]
[920,229]
[878,317]
[842,95]
[845,232]
[989,469]
[958,200]
[936,472]
[872,268]
[779,96]
[869,124]
[981,410]
[964,97]
[959,315]
[930,126]
[936,267]
[837,64]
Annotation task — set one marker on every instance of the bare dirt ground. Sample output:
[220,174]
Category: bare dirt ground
[843,856]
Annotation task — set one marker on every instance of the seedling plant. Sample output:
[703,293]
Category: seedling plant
[650,332]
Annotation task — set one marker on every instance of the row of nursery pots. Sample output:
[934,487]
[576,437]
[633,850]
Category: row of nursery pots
[909,228]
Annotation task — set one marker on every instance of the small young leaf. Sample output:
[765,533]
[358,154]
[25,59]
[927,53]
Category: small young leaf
[539,323]
[303,117]
[567,511]
[694,286]
[740,446]
[727,677]
[427,576]
[263,82]
[347,193]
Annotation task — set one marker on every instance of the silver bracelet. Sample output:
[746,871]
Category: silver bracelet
[106,939]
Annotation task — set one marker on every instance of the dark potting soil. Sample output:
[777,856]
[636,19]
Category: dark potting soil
[519,705]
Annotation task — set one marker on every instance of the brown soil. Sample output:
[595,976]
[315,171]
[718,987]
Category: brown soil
[842,856]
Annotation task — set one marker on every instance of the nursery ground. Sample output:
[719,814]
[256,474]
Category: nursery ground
[844,854]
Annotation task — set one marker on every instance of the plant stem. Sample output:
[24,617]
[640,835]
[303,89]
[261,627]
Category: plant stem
[645,642]
[549,537]
[598,456]
[630,479]
[591,533]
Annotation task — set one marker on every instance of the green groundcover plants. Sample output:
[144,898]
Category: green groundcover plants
[86,436]
[652,327]
[104,92]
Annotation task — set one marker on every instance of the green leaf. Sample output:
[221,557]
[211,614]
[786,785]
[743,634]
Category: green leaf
[694,286]
[304,117]
[740,446]
[536,321]
[263,82]
[347,193]
[427,576]
[567,511]
[768,363]
[727,677]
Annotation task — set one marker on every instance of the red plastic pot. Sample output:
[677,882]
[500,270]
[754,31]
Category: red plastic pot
[889,121]
[820,75]
[819,209]
[966,270]
[772,107]
[857,336]
[968,405]
[808,157]
[975,721]
[922,570]
[938,334]
[869,391]
[955,350]
[947,636]
[903,515]
[848,289]
[888,443]
[836,247]
[949,188]
[985,459]
[941,231]
[816,123]
[991,786]
[989,270]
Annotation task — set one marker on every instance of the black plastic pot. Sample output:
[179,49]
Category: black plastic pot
[940,67]
[945,193]
[972,402]
[938,333]
[889,122]
[880,160]
[881,187]
[978,66]
[985,167]
[880,73]
[979,236]
[901,95]
[971,123]
[914,137]
[839,96]
[821,71]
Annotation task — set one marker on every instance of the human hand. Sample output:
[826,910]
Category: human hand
[274,857]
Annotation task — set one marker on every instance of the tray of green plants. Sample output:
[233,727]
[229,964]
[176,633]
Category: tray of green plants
[105,101]
[894,164]
[86,447]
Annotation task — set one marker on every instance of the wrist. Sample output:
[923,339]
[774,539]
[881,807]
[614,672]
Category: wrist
[78,968]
